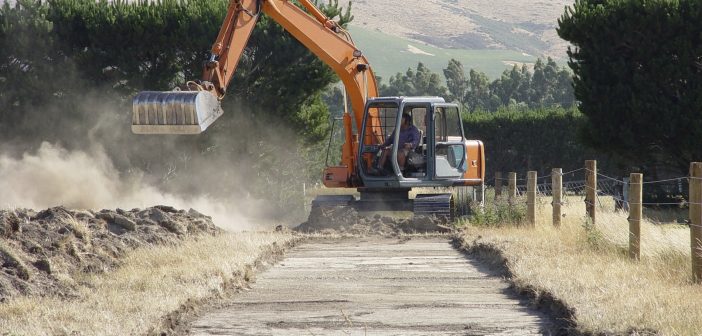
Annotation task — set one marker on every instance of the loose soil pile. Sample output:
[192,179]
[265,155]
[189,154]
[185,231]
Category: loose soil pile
[347,220]
[45,253]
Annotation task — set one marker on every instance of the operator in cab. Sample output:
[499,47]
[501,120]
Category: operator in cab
[409,140]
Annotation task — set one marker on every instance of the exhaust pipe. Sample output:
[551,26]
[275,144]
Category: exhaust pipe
[174,112]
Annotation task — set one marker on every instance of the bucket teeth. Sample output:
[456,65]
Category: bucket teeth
[174,112]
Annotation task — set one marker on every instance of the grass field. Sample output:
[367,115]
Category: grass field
[389,55]
[587,268]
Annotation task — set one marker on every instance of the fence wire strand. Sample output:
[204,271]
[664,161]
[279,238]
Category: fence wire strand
[611,187]
[610,191]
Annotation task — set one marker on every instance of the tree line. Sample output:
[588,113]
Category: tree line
[545,85]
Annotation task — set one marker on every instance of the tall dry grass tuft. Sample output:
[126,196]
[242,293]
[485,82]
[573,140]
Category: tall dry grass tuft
[587,268]
[151,283]
[79,229]
[10,260]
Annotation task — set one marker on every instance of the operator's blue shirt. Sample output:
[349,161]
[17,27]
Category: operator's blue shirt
[408,135]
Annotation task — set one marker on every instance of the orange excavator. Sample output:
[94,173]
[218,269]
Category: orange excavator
[443,157]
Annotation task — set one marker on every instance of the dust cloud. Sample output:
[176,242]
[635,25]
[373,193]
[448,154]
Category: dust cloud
[86,157]
[53,176]
[69,143]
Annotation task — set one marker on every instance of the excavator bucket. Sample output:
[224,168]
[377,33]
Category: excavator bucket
[174,112]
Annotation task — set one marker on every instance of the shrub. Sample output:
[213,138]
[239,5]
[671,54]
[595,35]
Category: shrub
[499,213]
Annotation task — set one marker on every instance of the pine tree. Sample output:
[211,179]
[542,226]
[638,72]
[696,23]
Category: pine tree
[638,77]
[456,81]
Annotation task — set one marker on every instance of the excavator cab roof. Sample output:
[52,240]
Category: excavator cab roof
[421,99]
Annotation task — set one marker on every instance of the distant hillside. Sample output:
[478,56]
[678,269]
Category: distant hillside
[524,26]
[389,55]
[488,35]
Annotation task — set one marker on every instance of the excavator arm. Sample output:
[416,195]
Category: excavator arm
[191,111]
[233,36]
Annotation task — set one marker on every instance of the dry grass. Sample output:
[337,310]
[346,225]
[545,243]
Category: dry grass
[10,259]
[79,229]
[588,269]
[152,283]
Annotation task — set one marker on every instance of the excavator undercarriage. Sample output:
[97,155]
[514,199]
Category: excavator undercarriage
[391,210]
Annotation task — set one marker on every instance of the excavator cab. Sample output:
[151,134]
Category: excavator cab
[444,157]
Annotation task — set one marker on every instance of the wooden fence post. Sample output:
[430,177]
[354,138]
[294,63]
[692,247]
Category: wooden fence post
[625,206]
[557,193]
[531,197]
[498,184]
[635,214]
[696,220]
[591,186]
[512,187]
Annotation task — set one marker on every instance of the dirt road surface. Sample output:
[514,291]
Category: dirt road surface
[375,286]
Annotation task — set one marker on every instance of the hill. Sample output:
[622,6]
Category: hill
[389,55]
[488,35]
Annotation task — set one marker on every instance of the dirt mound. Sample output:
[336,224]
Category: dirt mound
[42,253]
[347,220]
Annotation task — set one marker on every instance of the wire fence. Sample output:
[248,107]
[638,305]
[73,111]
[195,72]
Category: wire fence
[672,192]
[603,203]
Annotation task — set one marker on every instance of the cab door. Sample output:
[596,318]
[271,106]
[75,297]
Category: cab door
[448,142]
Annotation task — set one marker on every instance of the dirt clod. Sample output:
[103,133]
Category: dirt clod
[174,227]
[9,224]
[166,208]
[43,264]
[159,216]
[106,216]
[125,223]
[196,214]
